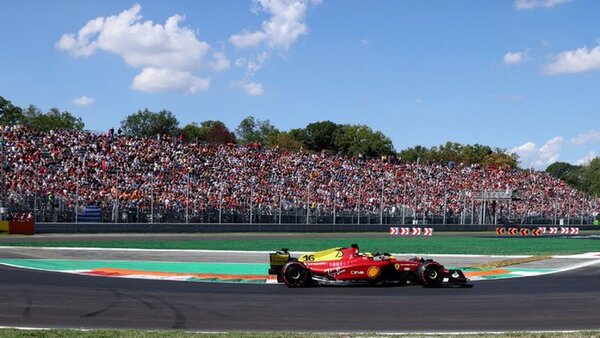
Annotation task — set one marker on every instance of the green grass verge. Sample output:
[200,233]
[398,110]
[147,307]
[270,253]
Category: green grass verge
[65,333]
[422,245]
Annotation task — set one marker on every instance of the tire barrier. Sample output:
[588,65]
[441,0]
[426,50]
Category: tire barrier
[408,231]
[537,232]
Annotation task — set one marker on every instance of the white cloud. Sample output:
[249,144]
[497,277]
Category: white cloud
[539,158]
[248,39]
[283,28]
[575,61]
[532,4]
[590,136]
[155,80]
[251,88]
[364,41]
[159,50]
[513,58]
[586,160]
[253,64]
[220,61]
[83,101]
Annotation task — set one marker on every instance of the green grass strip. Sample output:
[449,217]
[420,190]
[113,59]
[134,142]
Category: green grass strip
[423,245]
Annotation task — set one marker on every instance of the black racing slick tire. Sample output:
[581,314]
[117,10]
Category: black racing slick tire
[431,274]
[295,274]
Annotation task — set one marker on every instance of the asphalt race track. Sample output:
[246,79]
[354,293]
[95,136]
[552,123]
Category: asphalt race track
[565,301]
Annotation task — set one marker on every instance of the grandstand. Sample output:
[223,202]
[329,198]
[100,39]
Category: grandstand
[67,175]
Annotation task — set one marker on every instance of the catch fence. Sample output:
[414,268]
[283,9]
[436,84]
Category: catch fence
[478,212]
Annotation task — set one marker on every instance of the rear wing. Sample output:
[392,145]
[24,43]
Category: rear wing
[277,261]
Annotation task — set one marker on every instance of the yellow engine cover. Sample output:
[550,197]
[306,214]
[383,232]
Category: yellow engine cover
[334,254]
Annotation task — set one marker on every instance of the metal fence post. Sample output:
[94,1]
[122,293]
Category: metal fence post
[381,203]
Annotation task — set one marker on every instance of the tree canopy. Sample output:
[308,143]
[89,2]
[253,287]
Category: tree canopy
[252,130]
[10,114]
[53,119]
[458,153]
[360,140]
[218,133]
[148,123]
[32,116]
[590,181]
[321,135]
[583,177]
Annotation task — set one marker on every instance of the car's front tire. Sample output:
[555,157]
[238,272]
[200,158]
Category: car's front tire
[295,274]
[431,274]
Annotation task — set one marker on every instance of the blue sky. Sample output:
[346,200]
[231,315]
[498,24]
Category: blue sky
[523,75]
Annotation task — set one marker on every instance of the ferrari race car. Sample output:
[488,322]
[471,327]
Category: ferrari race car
[349,266]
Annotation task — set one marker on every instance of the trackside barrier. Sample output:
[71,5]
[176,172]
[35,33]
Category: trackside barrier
[410,231]
[4,226]
[94,228]
[21,227]
[536,232]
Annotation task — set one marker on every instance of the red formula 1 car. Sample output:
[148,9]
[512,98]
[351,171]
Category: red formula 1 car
[350,266]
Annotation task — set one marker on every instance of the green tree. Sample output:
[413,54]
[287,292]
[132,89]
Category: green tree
[320,135]
[572,174]
[502,159]
[148,123]
[285,141]
[10,114]
[360,140]
[413,153]
[53,119]
[199,132]
[590,180]
[450,152]
[253,130]
[193,132]
[298,134]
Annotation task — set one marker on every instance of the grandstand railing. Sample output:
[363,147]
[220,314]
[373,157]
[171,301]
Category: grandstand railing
[44,210]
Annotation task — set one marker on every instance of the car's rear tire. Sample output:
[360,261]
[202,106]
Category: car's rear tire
[431,274]
[295,274]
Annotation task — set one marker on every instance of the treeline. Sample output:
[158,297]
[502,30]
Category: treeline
[35,118]
[342,139]
[324,136]
[458,153]
[583,177]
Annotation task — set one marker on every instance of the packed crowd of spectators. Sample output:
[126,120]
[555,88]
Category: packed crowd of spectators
[169,173]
